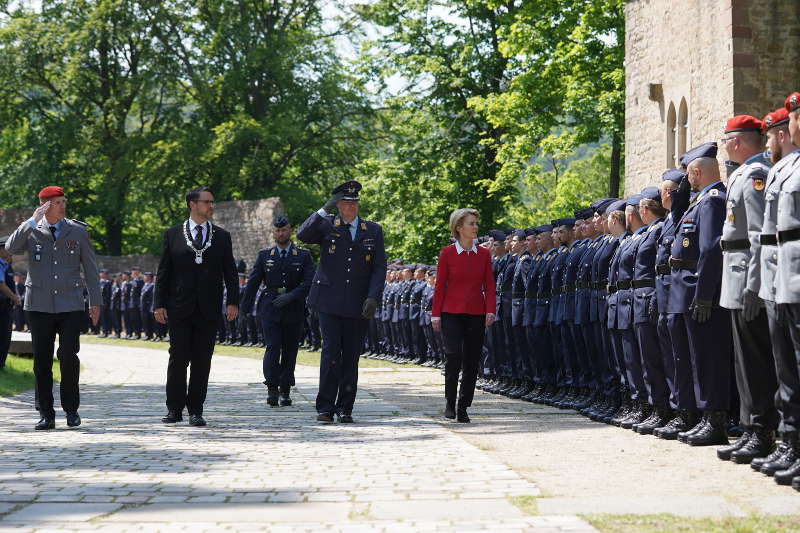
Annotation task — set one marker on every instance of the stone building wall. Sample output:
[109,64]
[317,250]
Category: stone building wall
[713,59]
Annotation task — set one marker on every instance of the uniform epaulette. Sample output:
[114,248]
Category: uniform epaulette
[82,223]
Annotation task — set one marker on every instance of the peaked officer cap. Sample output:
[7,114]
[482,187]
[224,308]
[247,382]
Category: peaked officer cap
[651,193]
[675,175]
[618,205]
[708,149]
[350,189]
[569,222]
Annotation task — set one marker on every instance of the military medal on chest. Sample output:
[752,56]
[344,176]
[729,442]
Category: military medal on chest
[198,254]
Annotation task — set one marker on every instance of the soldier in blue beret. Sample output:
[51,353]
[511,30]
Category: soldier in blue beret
[286,271]
[696,263]
[349,282]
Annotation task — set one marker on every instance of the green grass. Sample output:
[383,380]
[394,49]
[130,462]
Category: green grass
[526,504]
[665,523]
[17,376]
[303,357]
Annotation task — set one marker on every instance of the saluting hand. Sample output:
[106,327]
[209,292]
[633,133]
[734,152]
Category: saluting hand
[39,212]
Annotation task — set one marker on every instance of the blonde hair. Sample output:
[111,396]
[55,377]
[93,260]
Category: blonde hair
[457,218]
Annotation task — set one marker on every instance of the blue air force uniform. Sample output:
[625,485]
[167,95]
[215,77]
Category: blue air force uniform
[349,279]
[286,274]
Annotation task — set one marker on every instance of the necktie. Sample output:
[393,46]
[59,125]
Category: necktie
[198,238]
[283,254]
[53,231]
[349,233]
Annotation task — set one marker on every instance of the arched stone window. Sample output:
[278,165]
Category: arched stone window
[671,135]
[683,127]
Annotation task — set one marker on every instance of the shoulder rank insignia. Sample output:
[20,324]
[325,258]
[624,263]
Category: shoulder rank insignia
[294,251]
[713,192]
[685,242]
[79,222]
[273,252]
[364,226]
[337,222]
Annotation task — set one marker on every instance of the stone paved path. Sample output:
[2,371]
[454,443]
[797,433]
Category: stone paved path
[253,468]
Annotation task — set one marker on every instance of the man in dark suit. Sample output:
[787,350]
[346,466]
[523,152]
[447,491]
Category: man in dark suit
[197,257]
[106,321]
[286,271]
[347,286]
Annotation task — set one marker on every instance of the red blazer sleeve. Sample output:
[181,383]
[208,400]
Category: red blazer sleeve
[489,285]
[442,271]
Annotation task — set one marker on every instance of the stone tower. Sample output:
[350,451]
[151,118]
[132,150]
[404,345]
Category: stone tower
[692,64]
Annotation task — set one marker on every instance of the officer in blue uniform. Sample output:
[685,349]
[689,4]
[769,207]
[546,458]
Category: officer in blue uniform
[562,238]
[349,282]
[8,299]
[286,272]
[696,263]
[106,320]
[541,284]
[137,282]
[146,304]
[517,298]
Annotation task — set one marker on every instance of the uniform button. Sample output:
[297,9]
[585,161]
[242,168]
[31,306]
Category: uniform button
[55,292]
[348,281]
[348,270]
[774,257]
[349,258]
[351,249]
[55,262]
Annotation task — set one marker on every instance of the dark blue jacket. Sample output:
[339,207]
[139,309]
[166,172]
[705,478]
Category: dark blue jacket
[568,285]
[544,295]
[518,289]
[625,273]
[583,279]
[613,274]
[291,275]
[350,271]
[644,272]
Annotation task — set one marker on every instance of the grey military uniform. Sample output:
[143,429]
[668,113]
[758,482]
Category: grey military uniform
[769,231]
[740,234]
[787,278]
[54,283]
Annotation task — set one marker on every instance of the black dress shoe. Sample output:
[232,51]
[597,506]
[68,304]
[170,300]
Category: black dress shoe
[450,411]
[73,419]
[346,419]
[285,400]
[272,395]
[325,417]
[46,423]
[172,417]
[796,483]
[760,444]
[197,421]
[462,416]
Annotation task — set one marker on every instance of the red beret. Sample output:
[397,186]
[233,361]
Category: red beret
[51,192]
[743,123]
[792,102]
[777,118]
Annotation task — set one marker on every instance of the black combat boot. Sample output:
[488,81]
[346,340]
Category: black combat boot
[684,421]
[701,423]
[758,462]
[725,452]
[760,444]
[285,399]
[272,395]
[787,476]
[659,417]
[785,461]
[714,433]
[641,414]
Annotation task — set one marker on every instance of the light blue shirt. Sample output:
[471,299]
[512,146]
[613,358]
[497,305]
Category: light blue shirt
[58,225]
[353,224]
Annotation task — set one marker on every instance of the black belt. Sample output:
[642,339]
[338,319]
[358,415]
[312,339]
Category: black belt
[682,264]
[530,294]
[517,295]
[557,290]
[279,290]
[739,244]
[623,284]
[663,269]
[768,239]
[788,235]
[568,288]
[601,285]
[543,295]
[611,288]
[641,283]
[582,284]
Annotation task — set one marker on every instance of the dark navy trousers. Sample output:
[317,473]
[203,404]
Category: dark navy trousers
[342,340]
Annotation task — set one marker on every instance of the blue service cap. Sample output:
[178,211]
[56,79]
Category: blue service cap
[569,222]
[600,206]
[584,213]
[651,193]
[520,234]
[633,200]
[674,175]
[497,235]
[509,231]
[350,189]
[544,228]
[102,270]
[618,205]
[708,149]
[531,231]
[280,221]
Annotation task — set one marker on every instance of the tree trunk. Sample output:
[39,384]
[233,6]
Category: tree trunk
[113,235]
[616,157]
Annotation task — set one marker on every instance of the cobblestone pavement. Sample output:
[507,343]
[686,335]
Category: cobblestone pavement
[253,467]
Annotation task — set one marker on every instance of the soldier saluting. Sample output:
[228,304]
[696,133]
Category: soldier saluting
[345,290]
[57,248]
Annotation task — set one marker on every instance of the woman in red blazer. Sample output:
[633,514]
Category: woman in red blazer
[463,306]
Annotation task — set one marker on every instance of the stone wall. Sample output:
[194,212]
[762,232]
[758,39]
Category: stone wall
[250,225]
[248,221]
[716,58]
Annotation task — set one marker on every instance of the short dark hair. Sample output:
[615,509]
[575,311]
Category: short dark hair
[192,195]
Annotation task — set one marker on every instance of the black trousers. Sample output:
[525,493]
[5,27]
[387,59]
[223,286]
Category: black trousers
[280,357]
[19,318]
[191,344]
[44,327]
[342,340]
[148,323]
[754,369]
[6,322]
[711,355]
[784,326]
[135,327]
[463,340]
[116,316]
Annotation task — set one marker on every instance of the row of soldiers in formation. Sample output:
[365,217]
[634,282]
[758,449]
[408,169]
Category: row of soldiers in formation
[674,312]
